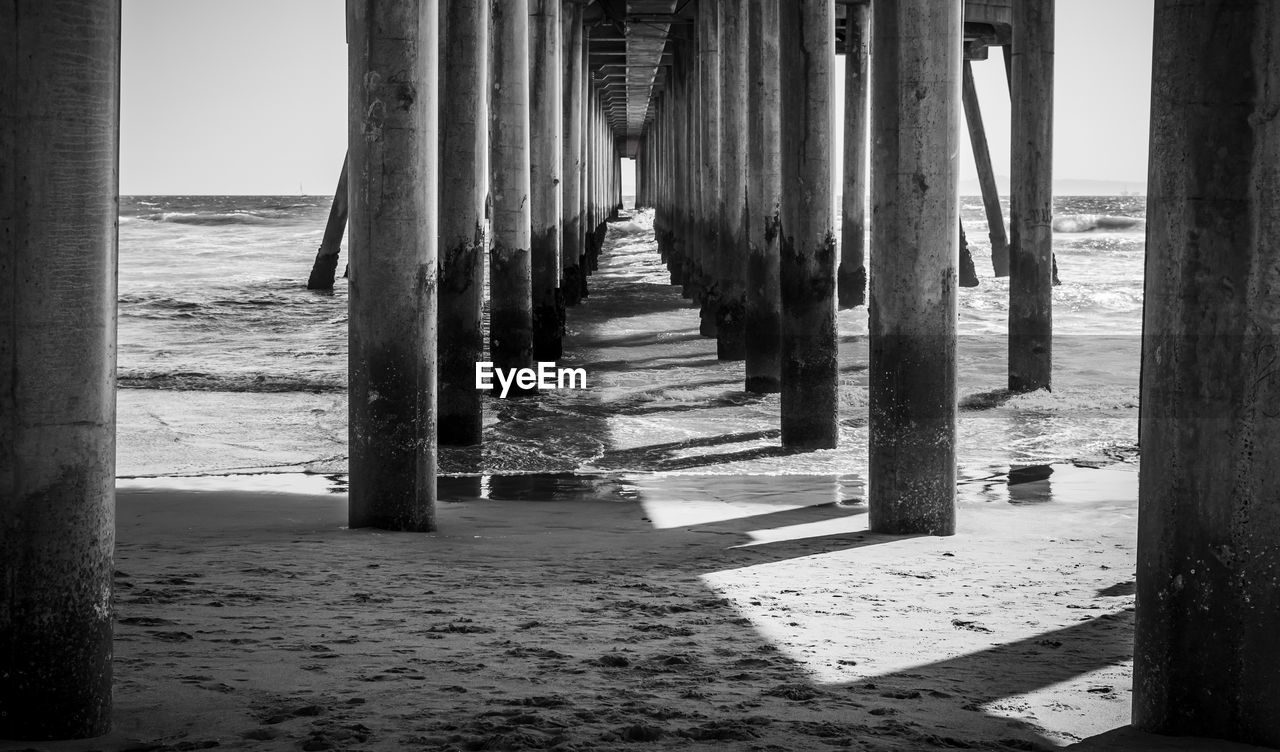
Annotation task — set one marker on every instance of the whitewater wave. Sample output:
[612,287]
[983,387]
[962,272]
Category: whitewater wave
[1074,223]
[1063,400]
[210,219]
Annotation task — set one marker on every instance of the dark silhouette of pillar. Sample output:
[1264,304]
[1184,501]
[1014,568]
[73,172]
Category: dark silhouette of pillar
[666,157]
[590,166]
[325,267]
[1031,252]
[731,264]
[572,229]
[588,171]
[464,186]
[1207,658]
[968,272]
[808,243]
[545,170]
[692,289]
[59,203]
[708,21]
[650,143]
[852,285]
[914,182]
[986,174]
[764,189]
[677,192]
[394,60]
[510,280]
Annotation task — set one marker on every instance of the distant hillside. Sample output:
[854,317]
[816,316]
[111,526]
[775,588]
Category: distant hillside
[1067,187]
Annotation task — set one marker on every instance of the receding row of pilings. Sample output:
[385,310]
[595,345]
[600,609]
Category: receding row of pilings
[1208,559]
[529,174]
[739,168]
[527,170]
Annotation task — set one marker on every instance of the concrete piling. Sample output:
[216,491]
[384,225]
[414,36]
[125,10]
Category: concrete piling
[764,198]
[731,262]
[1031,203]
[394,63]
[852,278]
[545,170]
[510,274]
[711,203]
[571,233]
[808,245]
[645,175]
[986,174]
[664,174]
[1206,659]
[664,151]
[590,163]
[59,140]
[325,267]
[914,181]
[464,187]
[676,154]
[588,177]
[677,192]
[692,289]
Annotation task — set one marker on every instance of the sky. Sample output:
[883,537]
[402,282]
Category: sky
[249,96]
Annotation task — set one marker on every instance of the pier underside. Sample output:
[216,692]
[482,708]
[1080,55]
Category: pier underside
[762,525]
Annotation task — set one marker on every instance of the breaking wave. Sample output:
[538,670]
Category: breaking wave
[1073,223]
[209,219]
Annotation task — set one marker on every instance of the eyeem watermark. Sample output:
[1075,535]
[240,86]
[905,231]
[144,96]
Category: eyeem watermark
[545,376]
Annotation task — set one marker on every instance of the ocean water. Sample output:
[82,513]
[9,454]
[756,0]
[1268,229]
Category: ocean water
[212,299]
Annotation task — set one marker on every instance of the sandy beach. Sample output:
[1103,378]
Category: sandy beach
[662,614]
[251,617]
[667,579]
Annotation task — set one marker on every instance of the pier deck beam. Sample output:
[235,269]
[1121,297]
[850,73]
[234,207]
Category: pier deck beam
[731,264]
[764,189]
[59,140]
[1207,661]
[545,170]
[810,404]
[914,175]
[852,287]
[1031,203]
[464,187]
[510,272]
[325,267]
[393,49]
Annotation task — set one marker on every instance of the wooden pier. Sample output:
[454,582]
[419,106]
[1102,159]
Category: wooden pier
[494,129]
